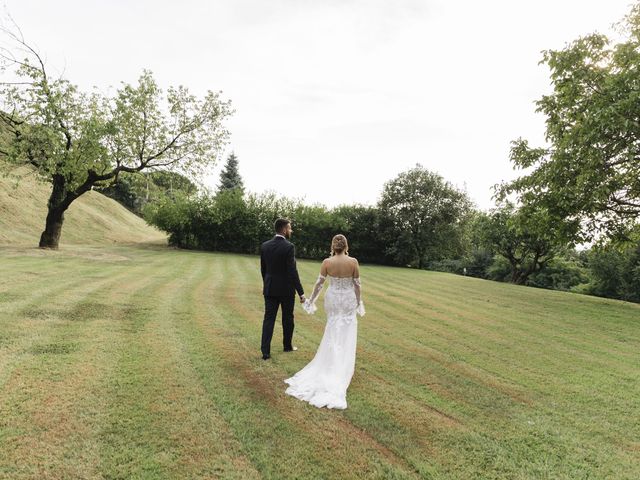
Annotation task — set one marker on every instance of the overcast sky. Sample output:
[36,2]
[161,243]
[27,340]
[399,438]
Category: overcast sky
[335,97]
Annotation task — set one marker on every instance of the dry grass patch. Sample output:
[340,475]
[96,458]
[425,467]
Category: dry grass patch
[91,219]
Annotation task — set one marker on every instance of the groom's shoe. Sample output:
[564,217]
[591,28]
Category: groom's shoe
[292,349]
[266,357]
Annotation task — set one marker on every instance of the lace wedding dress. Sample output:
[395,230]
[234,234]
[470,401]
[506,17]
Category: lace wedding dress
[324,381]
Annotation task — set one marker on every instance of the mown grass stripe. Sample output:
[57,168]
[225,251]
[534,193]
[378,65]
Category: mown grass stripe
[374,362]
[52,397]
[259,399]
[244,271]
[446,301]
[198,441]
[494,354]
[490,400]
[453,379]
[134,440]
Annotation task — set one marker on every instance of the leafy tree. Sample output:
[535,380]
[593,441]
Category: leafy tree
[314,226]
[500,269]
[176,217]
[631,275]
[427,214]
[131,191]
[606,266]
[615,271]
[526,238]
[76,140]
[479,254]
[265,209]
[230,178]
[590,172]
[563,272]
[169,182]
[135,191]
[369,232]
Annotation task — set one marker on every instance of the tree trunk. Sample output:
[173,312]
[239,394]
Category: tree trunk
[419,250]
[519,277]
[58,203]
[516,276]
[50,238]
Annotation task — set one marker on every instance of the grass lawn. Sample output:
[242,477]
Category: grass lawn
[122,362]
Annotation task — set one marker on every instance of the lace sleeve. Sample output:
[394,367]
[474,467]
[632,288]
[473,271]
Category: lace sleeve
[310,305]
[357,288]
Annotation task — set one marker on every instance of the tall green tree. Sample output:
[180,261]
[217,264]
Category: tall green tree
[230,178]
[427,214]
[369,233]
[76,140]
[590,172]
[615,270]
[528,239]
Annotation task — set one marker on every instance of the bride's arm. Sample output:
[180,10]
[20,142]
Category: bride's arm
[357,287]
[356,280]
[309,305]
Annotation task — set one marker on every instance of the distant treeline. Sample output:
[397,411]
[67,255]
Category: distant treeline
[496,245]
[232,222]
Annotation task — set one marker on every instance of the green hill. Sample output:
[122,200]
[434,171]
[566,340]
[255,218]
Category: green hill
[93,219]
[124,362]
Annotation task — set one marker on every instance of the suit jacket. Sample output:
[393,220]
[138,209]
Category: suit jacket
[278,266]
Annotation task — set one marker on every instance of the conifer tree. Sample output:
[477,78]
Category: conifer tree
[230,178]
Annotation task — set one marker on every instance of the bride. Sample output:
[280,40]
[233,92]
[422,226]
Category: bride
[324,381]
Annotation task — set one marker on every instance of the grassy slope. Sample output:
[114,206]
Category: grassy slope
[92,219]
[144,363]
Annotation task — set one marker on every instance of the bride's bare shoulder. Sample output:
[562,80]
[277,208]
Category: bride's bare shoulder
[356,268]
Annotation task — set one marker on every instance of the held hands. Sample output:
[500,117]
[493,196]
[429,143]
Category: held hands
[302,299]
[309,307]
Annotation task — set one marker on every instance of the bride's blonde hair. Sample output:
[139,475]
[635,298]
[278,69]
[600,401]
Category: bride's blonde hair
[339,244]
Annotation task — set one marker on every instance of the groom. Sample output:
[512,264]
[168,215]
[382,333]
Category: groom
[281,281]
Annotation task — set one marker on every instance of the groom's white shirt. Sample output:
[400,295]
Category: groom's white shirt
[278,235]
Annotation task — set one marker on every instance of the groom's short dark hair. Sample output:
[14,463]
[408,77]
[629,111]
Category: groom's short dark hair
[280,224]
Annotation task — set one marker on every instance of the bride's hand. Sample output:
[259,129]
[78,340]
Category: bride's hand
[309,307]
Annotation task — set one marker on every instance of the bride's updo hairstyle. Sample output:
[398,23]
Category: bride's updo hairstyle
[339,245]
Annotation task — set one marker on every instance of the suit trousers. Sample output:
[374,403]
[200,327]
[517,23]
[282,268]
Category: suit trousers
[271,305]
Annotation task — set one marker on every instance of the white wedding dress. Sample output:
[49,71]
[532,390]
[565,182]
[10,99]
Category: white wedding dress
[324,381]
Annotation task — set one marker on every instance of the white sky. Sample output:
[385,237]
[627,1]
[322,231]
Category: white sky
[335,97]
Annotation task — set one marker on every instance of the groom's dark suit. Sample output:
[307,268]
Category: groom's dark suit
[281,281]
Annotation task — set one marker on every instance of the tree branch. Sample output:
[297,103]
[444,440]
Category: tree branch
[627,203]
[171,144]
[144,136]
[17,83]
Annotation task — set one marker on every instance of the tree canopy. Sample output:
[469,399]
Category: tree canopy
[427,214]
[589,174]
[526,238]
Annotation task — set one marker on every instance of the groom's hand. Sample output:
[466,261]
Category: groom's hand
[302,299]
